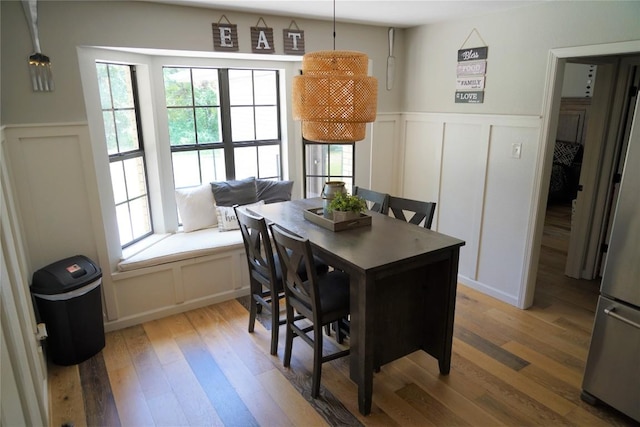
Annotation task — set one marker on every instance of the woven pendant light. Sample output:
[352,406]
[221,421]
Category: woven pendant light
[334,97]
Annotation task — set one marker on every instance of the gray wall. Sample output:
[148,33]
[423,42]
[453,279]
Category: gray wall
[519,41]
[66,25]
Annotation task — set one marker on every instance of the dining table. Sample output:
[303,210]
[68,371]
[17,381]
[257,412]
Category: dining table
[403,281]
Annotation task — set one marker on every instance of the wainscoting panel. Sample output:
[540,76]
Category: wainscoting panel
[421,164]
[52,192]
[507,203]
[385,136]
[484,193]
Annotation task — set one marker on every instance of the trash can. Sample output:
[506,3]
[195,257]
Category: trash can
[68,300]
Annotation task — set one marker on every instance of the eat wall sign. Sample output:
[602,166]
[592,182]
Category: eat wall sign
[225,38]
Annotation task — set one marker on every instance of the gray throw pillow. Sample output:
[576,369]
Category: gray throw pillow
[274,191]
[240,192]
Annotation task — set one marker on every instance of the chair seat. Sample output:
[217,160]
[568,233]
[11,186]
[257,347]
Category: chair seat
[334,294]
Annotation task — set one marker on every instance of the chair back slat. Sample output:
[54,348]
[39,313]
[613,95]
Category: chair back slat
[423,212]
[296,256]
[376,201]
[257,245]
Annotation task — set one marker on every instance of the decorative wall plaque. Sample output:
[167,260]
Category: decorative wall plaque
[471,71]
[262,38]
[225,36]
[293,40]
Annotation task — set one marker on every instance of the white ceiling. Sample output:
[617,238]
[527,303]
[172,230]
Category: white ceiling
[401,13]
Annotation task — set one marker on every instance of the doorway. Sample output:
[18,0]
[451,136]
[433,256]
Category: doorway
[558,58]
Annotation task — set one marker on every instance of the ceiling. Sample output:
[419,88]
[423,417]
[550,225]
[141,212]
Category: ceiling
[388,13]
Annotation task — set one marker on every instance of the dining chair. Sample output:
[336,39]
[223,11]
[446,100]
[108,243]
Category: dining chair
[320,299]
[376,201]
[422,211]
[265,272]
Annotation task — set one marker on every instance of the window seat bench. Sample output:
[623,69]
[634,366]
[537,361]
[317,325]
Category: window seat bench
[181,246]
[180,272]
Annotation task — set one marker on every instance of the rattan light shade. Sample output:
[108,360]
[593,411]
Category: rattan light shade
[334,97]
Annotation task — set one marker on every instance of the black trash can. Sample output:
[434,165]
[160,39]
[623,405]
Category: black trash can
[69,301]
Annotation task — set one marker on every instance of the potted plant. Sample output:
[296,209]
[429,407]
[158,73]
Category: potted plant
[346,207]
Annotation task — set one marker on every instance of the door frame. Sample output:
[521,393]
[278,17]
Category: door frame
[550,111]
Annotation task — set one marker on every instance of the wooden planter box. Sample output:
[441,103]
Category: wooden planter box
[315,215]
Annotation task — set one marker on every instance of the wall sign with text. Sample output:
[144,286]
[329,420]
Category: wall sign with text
[470,72]
[225,38]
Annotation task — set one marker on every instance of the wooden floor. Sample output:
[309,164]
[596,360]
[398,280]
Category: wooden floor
[509,367]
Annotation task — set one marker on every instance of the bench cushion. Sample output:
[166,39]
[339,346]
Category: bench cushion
[181,246]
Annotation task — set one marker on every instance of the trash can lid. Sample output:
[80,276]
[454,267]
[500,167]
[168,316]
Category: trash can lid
[65,275]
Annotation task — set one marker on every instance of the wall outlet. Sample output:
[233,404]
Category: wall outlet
[516,150]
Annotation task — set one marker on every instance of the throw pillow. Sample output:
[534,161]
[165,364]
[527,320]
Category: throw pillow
[196,207]
[229,193]
[227,219]
[274,191]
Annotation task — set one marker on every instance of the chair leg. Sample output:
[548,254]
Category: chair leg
[327,329]
[288,339]
[317,362]
[275,324]
[253,309]
[339,332]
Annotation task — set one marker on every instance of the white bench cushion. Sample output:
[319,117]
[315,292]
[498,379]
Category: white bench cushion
[181,246]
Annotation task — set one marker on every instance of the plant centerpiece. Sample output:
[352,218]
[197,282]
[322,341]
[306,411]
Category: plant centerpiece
[346,207]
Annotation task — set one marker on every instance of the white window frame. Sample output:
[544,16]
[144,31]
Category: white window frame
[154,126]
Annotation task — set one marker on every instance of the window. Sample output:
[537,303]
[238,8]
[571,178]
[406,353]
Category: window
[327,162]
[223,124]
[121,116]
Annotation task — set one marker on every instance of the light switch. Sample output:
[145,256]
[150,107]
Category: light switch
[516,150]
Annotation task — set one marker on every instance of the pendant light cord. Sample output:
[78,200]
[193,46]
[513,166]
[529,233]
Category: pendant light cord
[334,24]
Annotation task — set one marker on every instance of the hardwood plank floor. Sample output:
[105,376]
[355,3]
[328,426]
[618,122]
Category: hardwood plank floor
[509,367]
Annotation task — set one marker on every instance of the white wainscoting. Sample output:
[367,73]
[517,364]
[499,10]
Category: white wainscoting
[56,198]
[484,195]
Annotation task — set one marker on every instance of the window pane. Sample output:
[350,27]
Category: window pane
[317,159]
[110,132]
[240,87]
[186,169]
[134,172]
[246,162]
[212,164]
[205,86]
[242,124]
[269,161]
[265,87]
[266,123]
[126,130]
[208,125]
[314,186]
[121,89]
[118,182]
[177,87]
[340,160]
[182,129]
[140,220]
[104,86]
[124,223]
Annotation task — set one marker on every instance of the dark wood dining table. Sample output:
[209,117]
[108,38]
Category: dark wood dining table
[403,287]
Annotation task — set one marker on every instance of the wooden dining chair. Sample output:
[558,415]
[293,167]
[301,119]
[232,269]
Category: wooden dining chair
[422,211]
[320,299]
[376,201]
[265,272]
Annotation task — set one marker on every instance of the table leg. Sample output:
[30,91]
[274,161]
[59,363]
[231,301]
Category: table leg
[362,345]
